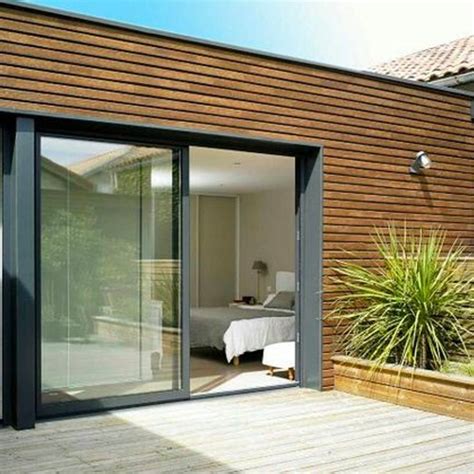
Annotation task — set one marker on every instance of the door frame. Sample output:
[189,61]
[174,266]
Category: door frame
[23,410]
[309,269]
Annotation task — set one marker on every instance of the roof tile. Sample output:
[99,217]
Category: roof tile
[447,59]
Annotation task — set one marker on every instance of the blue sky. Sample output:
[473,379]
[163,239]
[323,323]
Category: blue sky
[347,33]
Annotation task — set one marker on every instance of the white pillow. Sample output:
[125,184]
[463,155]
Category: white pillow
[269,298]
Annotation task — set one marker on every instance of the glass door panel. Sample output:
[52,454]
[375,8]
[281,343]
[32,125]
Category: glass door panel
[111,322]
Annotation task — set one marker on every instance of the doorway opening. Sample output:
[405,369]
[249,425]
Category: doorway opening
[242,270]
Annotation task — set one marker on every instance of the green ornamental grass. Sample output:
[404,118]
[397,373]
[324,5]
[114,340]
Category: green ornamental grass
[407,309]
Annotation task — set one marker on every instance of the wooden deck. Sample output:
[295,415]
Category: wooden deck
[284,430]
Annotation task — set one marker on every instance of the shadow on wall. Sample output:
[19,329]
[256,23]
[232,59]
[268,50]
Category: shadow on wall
[424,185]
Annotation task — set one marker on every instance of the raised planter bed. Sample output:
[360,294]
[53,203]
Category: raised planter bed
[428,390]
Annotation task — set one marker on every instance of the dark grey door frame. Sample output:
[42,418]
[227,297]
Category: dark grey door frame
[185,271]
[20,273]
[23,175]
[309,242]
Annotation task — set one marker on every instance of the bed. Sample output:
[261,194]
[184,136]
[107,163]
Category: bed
[244,328]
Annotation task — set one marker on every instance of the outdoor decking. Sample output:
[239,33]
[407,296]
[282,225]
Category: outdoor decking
[283,430]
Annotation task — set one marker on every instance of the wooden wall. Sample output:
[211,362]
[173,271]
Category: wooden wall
[371,129]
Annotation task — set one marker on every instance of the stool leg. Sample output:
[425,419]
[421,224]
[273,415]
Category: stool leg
[291,374]
[271,371]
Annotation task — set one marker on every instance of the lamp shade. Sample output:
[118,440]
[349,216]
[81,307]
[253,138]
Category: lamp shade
[259,266]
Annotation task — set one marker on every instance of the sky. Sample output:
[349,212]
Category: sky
[351,33]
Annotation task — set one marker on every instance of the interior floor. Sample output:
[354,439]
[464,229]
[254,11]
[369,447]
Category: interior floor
[210,372]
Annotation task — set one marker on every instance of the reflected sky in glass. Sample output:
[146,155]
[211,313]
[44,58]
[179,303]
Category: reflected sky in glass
[67,152]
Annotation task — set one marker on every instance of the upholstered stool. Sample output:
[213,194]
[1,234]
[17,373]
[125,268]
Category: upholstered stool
[280,356]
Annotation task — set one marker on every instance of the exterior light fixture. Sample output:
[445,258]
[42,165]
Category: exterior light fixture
[421,162]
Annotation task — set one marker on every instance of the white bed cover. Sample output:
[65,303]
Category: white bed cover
[249,335]
[254,334]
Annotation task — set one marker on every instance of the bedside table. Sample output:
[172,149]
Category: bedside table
[245,306]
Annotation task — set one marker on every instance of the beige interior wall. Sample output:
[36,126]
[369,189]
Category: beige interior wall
[213,250]
[194,242]
[267,232]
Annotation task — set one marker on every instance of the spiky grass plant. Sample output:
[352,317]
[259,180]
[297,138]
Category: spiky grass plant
[405,310]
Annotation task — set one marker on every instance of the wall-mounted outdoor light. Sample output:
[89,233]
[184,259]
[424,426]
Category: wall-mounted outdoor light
[421,162]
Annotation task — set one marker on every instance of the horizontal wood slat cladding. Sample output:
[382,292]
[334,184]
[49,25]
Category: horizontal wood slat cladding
[138,94]
[139,54]
[202,51]
[371,129]
[66,95]
[186,85]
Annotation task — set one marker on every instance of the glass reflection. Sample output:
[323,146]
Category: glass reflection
[110,270]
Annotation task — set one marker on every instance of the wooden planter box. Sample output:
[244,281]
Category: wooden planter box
[423,389]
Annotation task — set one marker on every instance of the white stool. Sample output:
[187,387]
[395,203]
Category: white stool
[280,356]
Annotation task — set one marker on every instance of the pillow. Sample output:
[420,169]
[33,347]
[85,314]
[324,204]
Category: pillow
[282,300]
[269,298]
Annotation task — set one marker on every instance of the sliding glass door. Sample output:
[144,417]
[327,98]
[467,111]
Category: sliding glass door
[110,271]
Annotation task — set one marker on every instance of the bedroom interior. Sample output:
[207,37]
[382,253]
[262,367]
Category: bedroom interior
[242,208]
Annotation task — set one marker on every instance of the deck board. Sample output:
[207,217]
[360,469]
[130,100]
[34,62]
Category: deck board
[292,430]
